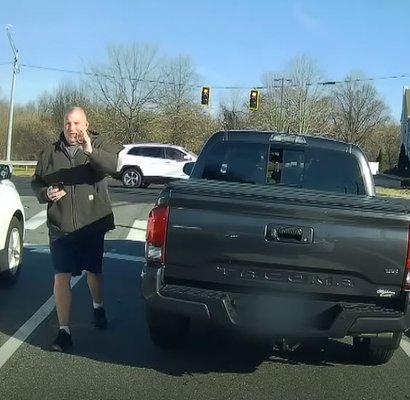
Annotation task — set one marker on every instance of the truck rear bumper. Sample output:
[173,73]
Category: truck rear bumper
[274,314]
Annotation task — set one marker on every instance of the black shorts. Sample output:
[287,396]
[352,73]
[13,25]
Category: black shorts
[77,251]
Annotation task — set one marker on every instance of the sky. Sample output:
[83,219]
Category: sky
[230,42]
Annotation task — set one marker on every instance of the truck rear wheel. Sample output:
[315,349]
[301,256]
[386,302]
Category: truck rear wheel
[375,351]
[167,330]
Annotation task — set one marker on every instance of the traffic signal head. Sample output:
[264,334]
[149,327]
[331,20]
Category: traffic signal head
[254,100]
[205,96]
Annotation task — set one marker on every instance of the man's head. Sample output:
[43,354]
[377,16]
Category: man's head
[75,120]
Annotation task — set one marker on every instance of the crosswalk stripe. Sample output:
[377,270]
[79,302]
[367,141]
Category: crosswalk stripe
[137,231]
[108,254]
[36,220]
[405,345]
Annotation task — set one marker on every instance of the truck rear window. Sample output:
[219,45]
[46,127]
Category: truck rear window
[273,164]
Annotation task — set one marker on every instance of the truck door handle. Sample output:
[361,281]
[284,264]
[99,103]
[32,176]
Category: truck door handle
[290,234]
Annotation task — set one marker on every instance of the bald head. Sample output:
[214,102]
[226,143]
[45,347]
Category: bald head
[78,110]
[75,120]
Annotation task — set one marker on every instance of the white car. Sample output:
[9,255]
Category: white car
[11,228]
[140,164]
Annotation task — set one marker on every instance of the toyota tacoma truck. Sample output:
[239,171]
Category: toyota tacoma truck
[279,234]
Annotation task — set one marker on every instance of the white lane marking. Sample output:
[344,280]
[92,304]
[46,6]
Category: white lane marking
[107,254]
[36,220]
[12,344]
[405,345]
[137,231]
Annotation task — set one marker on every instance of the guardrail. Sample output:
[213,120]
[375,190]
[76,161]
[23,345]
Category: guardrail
[23,163]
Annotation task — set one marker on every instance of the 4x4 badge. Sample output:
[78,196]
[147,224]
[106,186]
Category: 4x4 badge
[391,271]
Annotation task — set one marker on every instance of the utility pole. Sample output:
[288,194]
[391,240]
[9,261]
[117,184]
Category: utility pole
[13,83]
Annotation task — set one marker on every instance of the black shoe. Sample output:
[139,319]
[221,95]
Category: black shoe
[100,320]
[62,342]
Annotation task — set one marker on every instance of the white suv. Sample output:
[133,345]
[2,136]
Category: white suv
[11,228]
[140,164]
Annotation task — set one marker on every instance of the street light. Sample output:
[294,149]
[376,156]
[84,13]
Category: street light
[13,82]
[281,80]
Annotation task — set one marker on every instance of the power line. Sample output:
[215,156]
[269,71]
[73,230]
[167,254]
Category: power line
[318,83]
[94,74]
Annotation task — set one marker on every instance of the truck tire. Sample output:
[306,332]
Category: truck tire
[12,257]
[371,352]
[167,330]
[132,177]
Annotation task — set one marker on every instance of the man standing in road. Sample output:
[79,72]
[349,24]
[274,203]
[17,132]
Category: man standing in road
[70,177]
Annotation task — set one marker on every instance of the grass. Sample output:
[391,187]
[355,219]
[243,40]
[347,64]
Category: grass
[393,192]
[23,171]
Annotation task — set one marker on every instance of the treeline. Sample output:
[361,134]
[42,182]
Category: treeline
[138,96]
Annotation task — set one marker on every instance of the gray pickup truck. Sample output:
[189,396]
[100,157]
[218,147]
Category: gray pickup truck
[280,235]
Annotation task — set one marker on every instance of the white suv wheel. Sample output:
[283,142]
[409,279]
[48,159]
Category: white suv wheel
[11,262]
[14,249]
[132,178]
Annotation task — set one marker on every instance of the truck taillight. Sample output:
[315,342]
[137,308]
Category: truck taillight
[156,234]
[406,281]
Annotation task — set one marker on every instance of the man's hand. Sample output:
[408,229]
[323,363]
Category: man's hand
[85,141]
[55,194]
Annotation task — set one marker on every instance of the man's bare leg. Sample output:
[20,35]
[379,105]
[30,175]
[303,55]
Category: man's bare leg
[62,296]
[95,283]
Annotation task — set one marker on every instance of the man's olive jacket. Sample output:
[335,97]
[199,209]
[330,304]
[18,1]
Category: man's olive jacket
[87,203]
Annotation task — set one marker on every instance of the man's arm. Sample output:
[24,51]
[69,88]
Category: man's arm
[104,156]
[38,185]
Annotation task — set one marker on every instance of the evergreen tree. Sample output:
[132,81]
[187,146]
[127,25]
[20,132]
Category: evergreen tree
[381,159]
[403,162]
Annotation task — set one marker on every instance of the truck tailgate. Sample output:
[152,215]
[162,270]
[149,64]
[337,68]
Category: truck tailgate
[242,237]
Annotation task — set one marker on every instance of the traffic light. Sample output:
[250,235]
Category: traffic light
[254,100]
[205,96]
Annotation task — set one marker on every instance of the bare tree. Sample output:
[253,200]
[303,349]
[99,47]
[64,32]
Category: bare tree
[31,132]
[233,112]
[292,99]
[3,128]
[126,86]
[67,94]
[304,97]
[175,101]
[271,110]
[385,138]
[357,110]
